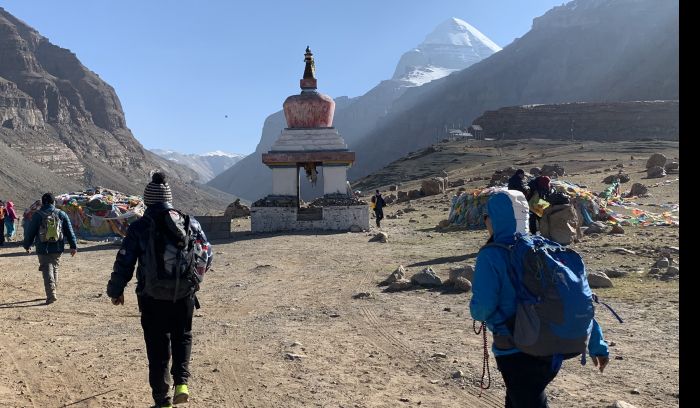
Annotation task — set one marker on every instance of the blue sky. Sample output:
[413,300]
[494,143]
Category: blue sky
[197,76]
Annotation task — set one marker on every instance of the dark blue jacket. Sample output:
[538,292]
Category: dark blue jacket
[31,236]
[133,249]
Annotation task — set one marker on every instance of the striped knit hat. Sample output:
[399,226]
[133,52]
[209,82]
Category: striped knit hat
[157,191]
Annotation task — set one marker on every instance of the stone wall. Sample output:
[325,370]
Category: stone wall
[215,227]
[590,121]
[336,218]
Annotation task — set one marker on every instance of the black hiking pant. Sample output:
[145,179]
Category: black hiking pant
[2,231]
[526,378]
[379,213]
[167,326]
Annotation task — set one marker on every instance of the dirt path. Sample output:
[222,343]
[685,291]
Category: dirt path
[269,295]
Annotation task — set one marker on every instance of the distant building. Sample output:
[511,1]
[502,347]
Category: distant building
[476,131]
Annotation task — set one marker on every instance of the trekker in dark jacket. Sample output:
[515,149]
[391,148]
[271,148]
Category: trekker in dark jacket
[379,204]
[517,182]
[167,324]
[50,242]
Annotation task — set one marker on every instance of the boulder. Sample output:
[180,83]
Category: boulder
[656,172]
[638,189]
[656,159]
[426,277]
[598,279]
[237,210]
[550,170]
[466,272]
[671,167]
[399,285]
[397,275]
[433,186]
[379,237]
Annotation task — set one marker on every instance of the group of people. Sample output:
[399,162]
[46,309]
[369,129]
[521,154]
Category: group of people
[8,219]
[172,253]
[537,188]
[166,312]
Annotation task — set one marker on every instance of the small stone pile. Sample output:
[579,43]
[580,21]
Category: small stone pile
[336,200]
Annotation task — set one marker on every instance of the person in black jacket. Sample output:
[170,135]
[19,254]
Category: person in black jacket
[379,204]
[167,324]
[517,182]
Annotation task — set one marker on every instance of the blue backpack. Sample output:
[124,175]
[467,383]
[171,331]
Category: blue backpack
[555,309]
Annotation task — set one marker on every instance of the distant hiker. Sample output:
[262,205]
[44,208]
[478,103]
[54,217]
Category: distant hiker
[10,218]
[3,214]
[48,230]
[379,204]
[526,372]
[517,182]
[172,255]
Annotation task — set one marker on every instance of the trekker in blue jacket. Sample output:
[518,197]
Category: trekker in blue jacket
[494,302]
[48,230]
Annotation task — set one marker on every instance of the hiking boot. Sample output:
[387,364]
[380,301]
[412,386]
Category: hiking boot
[51,298]
[164,405]
[182,394]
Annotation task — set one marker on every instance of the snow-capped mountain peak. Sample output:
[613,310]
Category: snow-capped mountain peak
[451,46]
[206,165]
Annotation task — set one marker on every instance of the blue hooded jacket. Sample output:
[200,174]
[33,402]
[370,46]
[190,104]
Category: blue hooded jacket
[493,296]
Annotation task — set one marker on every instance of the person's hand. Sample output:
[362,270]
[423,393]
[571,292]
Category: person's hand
[600,361]
[73,251]
[118,300]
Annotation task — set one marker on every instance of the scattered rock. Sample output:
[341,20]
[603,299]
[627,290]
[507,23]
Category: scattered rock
[458,374]
[427,278]
[361,295]
[466,272]
[662,263]
[457,182]
[672,271]
[393,187]
[595,228]
[292,356]
[412,220]
[622,178]
[399,285]
[237,210]
[379,237]
[635,391]
[656,172]
[552,170]
[598,279]
[622,404]
[624,251]
[439,355]
[638,189]
[617,229]
[615,273]
[656,160]
[413,194]
[461,285]
[672,167]
[447,309]
[397,275]
[443,224]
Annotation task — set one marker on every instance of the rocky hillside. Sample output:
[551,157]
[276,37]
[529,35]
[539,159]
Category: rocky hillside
[452,46]
[59,115]
[585,50]
[584,121]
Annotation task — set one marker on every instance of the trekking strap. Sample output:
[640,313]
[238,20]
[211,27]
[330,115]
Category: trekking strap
[485,371]
[595,299]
